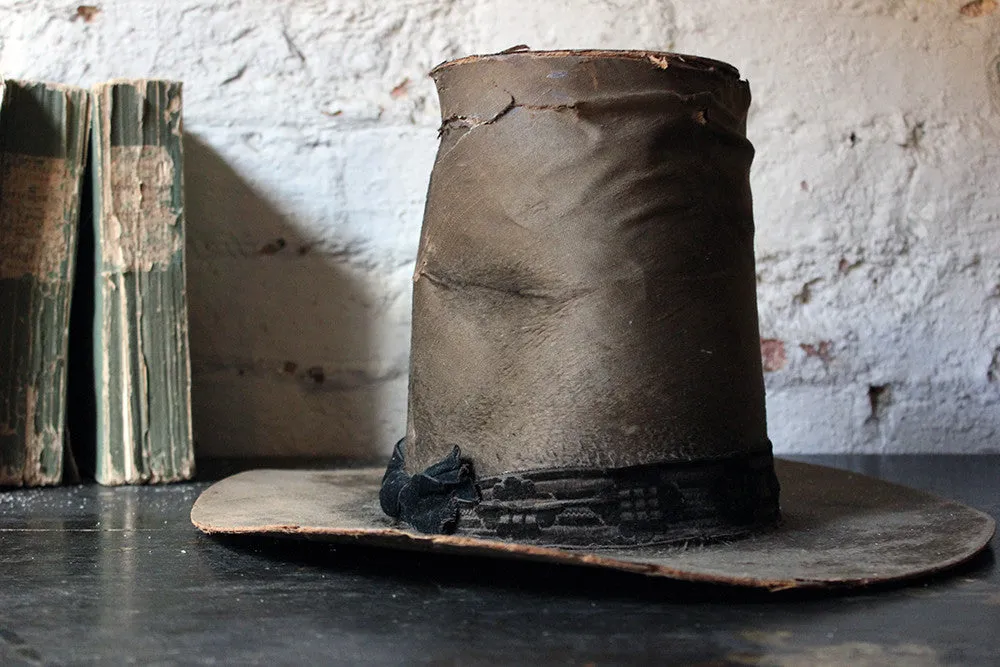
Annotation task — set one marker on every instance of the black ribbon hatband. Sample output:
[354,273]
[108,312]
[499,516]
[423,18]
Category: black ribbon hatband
[429,500]
[659,503]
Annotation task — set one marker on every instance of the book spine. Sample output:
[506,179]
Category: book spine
[141,360]
[43,143]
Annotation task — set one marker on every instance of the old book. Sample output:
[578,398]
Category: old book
[141,360]
[43,141]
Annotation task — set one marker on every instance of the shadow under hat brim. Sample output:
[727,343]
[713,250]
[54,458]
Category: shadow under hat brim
[838,529]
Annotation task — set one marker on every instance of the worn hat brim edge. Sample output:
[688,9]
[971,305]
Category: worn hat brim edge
[839,529]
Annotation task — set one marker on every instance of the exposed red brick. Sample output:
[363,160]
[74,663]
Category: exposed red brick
[400,89]
[846,267]
[772,353]
[87,13]
[978,8]
[821,350]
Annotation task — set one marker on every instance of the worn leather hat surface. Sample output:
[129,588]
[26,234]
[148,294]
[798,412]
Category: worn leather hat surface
[585,379]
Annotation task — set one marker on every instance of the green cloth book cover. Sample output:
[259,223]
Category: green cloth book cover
[43,143]
[141,359]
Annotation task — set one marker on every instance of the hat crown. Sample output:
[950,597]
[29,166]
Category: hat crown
[585,366]
[584,292]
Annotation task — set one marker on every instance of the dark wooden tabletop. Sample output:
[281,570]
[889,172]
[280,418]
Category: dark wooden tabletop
[119,576]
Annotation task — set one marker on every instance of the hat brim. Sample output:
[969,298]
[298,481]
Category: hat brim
[838,529]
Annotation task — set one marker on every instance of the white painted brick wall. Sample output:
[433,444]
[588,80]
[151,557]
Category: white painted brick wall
[877,126]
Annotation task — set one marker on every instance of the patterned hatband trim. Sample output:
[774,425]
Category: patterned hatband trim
[660,503]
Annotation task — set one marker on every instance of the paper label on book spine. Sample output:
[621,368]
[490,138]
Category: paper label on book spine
[141,225]
[33,198]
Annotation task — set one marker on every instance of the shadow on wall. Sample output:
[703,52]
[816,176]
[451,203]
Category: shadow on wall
[280,335]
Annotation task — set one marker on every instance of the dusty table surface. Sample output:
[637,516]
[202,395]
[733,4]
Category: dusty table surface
[119,576]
